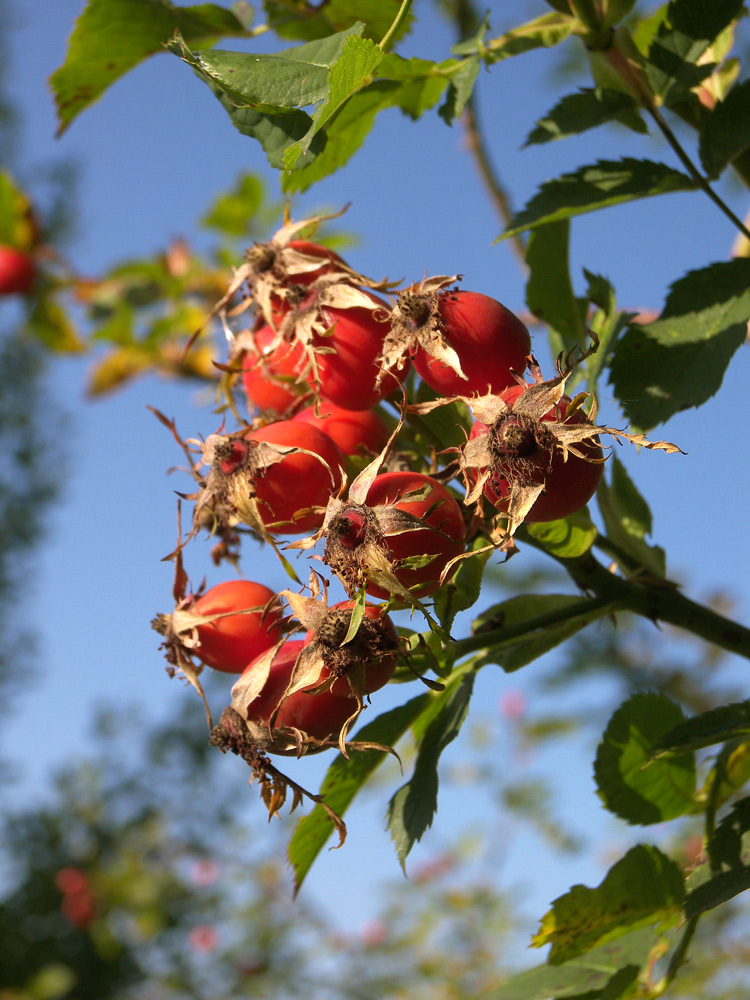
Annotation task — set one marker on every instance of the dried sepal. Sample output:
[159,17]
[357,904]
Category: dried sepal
[416,322]
[233,735]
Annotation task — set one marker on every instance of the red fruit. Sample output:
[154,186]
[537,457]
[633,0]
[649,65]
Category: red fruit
[374,649]
[17,271]
[229,644]
[436,508]
[299,480]
[488,339]
[354,431]
[523,453]
[270,374]
[319,715]
[71,880]
[347,356]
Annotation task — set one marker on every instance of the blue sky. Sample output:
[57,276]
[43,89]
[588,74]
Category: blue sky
[151,155]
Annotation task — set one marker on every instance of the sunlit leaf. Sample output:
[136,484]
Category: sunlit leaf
[630,782]
[112,36]
[599,185]
[549,289]
[642,889]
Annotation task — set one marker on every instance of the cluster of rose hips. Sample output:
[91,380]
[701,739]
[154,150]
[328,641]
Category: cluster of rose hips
[317,352]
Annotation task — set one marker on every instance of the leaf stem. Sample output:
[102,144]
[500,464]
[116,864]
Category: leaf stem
[504,635]
[403,13]
[660,602]
[678,958]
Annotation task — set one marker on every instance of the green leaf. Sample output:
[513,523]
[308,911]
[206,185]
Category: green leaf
[344,779]
[627,519]
[523,628]
[584,976]
[703,21]
[463,589]
[112,36]
[727,872]
[679,361]
[17,227]
[334,15]
[422,82]
[292,78]
[717,890]
[717,725]
[641,889]
[726,134]
[630,782]
[577,113]
[567,537]
[543,32]
[349,73]
[53,326]
[599,185]
[549,289]
[233,213]
[460,89]
[411,810]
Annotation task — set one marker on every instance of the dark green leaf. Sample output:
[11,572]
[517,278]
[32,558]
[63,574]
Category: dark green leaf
[412,808]
[718,725]
[641,889]
[679,360]
[717,890]
[344,779]
[587,975]
[460,88]
[274,132]
[671,69]
[726,134]
[349,73]
[729,846]
[578,112]
[653,382]
[543,32]
[630,782]
[112,36]
[332,16]
[700,20]
[523,628]
[600,185]
[549,289]
[627,519]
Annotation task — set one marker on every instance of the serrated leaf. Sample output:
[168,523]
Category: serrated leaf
[679,361]
[627,518]
[412,808]
[726,134]
[343,781]
[566,538]
[334,15]
[549,289]
[543,32]
[717,725]
[112,36]
[630,782]
[584,976]
[534,624]
[703,21]
[274,132]
[344,136]
[348,74]
[599,185]
[577,113]
[642,889]
[460,89]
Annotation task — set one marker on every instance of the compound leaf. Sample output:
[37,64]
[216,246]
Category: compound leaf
[576,113]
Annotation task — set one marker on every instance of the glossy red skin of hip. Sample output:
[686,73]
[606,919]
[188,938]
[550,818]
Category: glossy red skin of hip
[354,431]
[299,480]
[229,644]
[447,517]
[316,715]
[489,340]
